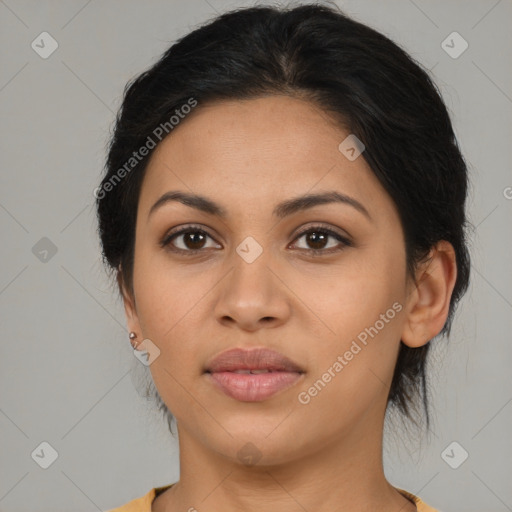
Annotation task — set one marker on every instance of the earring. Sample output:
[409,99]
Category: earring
[133,337]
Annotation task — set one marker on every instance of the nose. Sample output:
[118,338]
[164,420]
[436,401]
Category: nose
[253,296]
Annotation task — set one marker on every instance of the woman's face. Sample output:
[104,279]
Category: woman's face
[254,281]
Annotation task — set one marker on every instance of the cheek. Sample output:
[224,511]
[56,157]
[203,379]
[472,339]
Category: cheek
[361,304]
[352,370]
[173,306]
[351,295]
[167,305]
[164,294]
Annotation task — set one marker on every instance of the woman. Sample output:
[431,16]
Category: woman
[284,210]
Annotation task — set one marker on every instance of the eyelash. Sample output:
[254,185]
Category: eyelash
[166,242]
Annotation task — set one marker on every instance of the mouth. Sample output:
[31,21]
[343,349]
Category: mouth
[252,375]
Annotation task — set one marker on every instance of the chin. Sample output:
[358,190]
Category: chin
[250,446]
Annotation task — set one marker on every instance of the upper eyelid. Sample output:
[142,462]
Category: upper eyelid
[325,227]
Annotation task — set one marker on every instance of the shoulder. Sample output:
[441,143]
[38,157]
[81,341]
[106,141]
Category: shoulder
[142,504]
[420,505]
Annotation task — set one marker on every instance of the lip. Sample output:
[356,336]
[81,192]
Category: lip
[251,359]
[281,373]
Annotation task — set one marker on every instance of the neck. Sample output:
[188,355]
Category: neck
[346,476]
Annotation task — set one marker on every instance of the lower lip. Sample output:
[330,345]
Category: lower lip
[253,387]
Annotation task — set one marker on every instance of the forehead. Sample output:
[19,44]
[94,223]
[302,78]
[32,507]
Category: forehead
[252,130]
[260,149]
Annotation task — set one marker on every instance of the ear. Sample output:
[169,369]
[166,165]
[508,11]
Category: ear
[130,308]
[429,301]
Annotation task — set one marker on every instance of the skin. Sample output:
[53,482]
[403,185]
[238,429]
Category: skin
[248,156]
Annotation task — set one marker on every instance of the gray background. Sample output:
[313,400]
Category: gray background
[68,375]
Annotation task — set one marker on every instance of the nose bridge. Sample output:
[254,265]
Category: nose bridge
[251,275]
[252,294]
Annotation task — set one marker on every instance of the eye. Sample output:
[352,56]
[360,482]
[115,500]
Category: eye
[188,239]
[317,237]
[193,239]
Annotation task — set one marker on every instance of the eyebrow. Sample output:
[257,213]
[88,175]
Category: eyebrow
[282,210]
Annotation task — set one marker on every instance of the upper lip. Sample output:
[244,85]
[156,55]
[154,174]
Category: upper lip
[251,359]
